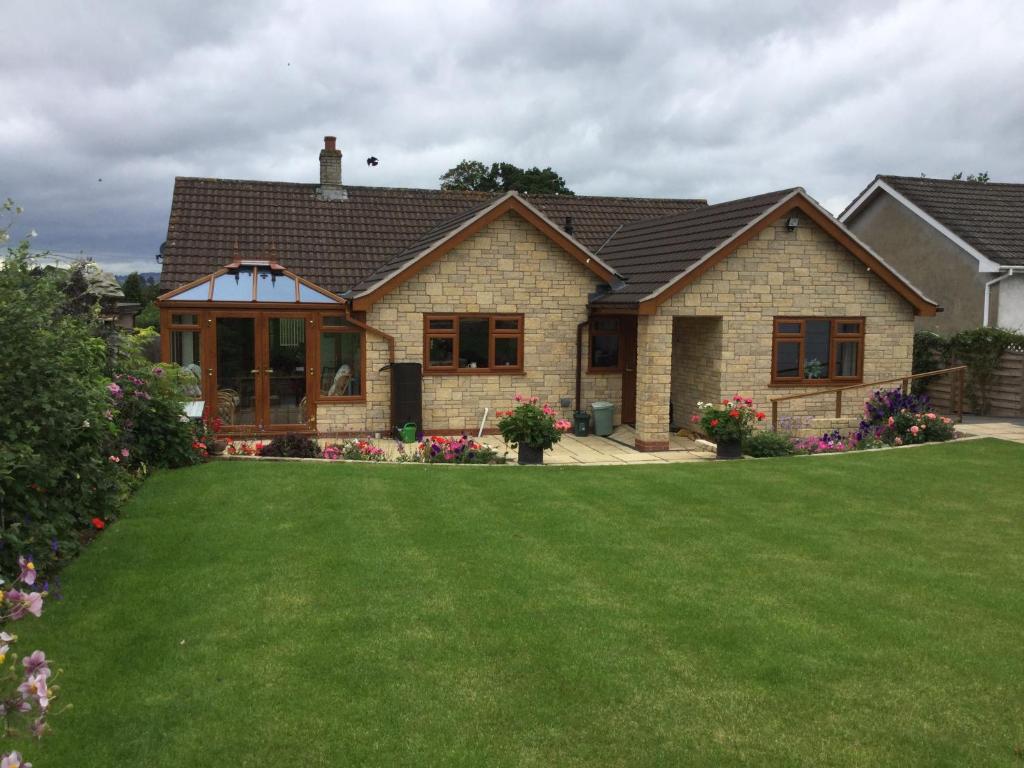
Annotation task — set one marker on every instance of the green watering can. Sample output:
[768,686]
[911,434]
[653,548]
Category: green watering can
[408,432]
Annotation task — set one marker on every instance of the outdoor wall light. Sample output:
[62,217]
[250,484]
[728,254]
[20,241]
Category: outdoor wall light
[792,223]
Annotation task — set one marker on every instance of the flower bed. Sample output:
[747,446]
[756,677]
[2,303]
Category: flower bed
[429,450]
[892,418]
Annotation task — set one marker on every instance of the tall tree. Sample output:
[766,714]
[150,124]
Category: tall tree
[473,175]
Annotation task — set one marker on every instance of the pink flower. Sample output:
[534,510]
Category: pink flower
[28,571]
[695,418]
[914,430]
[22,603]
[891,421]
[108,415]
[114,459]
[518,398]
[898,441]
[115,390]
[13,760]
[35,688]
[749,401]
[931,416]
[124,452]
[36,664]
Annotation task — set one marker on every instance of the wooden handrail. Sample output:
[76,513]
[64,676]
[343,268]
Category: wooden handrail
[959,370]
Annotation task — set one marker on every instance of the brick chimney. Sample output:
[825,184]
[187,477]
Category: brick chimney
[330,172]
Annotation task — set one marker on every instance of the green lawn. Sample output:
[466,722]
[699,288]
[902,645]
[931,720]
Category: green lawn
[842,610]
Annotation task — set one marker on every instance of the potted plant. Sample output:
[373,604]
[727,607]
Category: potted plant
[217,444]
[531,428]
[727,424]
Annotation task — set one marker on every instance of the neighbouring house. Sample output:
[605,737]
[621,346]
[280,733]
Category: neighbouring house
[961,242]
[297,305]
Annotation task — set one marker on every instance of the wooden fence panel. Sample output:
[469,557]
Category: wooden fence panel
[1005,393]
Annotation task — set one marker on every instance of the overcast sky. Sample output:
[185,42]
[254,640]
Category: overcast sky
[103,103]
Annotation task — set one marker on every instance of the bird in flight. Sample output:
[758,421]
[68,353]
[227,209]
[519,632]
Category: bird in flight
[372,161]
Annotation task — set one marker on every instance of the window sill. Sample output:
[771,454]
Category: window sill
[473,371]
[817,383]
[340,400]
[605,370]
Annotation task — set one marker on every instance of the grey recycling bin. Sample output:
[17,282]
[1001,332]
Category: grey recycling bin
[603,412]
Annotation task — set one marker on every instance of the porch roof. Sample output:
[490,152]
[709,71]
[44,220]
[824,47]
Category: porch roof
[256,282]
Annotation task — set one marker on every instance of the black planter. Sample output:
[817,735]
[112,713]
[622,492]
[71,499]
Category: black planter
[729,449]
[530,455]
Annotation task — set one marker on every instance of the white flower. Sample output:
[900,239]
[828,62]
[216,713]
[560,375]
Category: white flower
[183,419]
[86,424]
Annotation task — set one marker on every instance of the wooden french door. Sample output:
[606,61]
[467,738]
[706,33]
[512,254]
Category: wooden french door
[260,371]
[629,370]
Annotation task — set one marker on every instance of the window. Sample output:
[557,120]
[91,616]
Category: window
[605,344]
[473,343]
[341,359]
[186,351]
[817,350]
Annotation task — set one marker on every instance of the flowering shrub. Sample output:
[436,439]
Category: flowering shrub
[895,418]
[455,450]
[830,442]
[732,420]
[531,424]
[355,450]
[26,689]
[244,448]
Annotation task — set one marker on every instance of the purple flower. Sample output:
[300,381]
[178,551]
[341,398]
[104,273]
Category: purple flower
[158,371]
[36,665]
[13,760]
[28,571]
[115,390]
[54,544]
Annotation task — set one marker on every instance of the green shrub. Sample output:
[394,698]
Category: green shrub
[765,442]
[59,460]
[293,446]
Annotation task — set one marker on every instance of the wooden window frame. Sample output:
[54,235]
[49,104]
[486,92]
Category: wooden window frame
[619,366]
[321,328]
[493,334]
[835,338]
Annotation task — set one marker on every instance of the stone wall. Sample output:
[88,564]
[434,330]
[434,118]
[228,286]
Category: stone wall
[508,267]
[780,272]
[696,364]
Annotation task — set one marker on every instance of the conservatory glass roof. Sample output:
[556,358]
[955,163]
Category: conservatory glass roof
[253,281]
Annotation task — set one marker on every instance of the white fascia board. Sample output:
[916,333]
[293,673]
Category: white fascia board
[985,264]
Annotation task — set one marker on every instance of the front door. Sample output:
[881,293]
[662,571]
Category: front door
[260,372]
[629,370]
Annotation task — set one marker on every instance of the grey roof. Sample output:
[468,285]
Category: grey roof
[988,216]
[651,253]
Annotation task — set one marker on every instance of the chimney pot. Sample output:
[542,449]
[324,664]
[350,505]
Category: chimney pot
[329,142]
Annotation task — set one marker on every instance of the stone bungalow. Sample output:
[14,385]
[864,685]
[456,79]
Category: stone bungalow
[289,302]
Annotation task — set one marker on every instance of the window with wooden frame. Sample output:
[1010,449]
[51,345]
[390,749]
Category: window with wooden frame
[472,343]
[817,350]
[606,347]
[186,350]
[342,359]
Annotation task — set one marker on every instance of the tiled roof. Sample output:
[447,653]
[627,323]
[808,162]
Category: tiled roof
[337,243]
[988,216]
[653,252]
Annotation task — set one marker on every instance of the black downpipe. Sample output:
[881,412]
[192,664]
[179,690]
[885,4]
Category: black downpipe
[579,364]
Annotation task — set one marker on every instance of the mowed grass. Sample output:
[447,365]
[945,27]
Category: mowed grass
[846,610]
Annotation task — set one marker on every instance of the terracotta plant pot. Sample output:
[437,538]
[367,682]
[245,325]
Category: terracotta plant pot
[217,447]
[528,454]
[729,449]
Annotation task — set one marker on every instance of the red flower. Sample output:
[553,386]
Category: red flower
[760,415]
[737,398]
[98,524]
[725,402]
[714,422]
[734,413]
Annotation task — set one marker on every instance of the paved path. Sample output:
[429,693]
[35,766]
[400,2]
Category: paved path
[618,449]
[983,426]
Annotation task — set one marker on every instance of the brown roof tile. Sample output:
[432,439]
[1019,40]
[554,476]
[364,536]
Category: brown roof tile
[337,243]
[651,253]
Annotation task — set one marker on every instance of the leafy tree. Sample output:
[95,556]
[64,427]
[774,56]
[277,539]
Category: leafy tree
[981,177]
[473,175]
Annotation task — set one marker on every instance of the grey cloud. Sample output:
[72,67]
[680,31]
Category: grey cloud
[698,99]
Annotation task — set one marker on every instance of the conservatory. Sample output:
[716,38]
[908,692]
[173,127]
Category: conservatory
[264,346]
